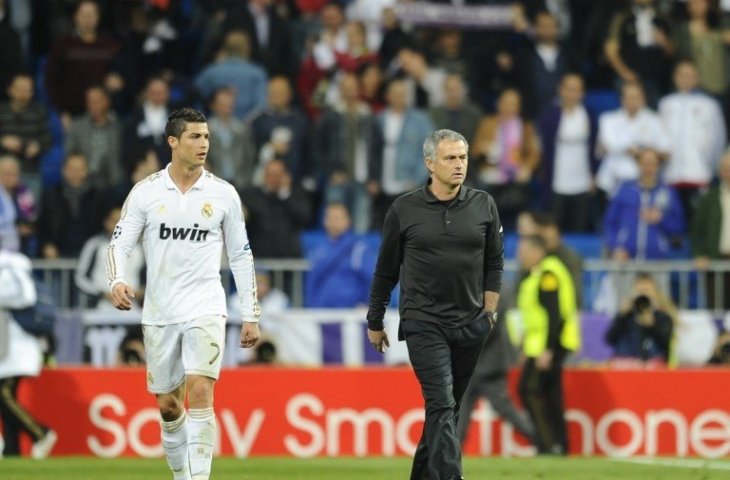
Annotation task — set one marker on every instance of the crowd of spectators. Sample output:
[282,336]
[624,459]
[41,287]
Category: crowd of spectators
[604,118]
[312,102]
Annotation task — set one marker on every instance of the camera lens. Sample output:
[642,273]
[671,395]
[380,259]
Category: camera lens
[641,303]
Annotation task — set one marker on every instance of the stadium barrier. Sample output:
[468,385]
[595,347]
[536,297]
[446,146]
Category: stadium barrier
[286,274]
[678,277]
[377,412]
[316,337]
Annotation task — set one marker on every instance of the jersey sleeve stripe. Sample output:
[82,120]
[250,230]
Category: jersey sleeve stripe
[111,266]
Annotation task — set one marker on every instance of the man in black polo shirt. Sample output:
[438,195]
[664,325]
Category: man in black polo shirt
[444,243]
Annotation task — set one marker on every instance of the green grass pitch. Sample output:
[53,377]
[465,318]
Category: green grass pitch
[272,468]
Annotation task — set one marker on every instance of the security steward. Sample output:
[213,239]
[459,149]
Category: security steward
[444,243]
[548,304]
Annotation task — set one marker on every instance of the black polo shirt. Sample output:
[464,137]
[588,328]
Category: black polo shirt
[446,255]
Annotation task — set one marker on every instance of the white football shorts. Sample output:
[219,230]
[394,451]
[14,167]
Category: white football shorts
[190,348]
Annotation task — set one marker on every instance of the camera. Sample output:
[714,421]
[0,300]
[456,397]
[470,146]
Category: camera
[641,304]
[722,350]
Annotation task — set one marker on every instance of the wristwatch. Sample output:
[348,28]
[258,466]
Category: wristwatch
[492,317]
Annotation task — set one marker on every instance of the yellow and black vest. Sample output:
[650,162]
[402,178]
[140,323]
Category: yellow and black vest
[534,315]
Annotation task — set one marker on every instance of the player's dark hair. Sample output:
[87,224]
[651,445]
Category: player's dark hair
[179,119]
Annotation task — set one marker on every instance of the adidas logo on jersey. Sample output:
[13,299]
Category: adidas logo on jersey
[191,234]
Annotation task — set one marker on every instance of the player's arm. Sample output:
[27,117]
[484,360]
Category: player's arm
[240,260]
[125,237]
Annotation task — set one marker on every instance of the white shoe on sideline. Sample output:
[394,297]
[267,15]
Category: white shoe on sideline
[42,448]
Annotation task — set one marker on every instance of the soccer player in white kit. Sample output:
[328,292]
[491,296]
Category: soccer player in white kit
[185,215]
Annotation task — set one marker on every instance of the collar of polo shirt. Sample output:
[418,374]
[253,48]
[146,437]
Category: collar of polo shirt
[431,198]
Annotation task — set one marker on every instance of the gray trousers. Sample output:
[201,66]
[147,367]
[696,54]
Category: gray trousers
[494,388]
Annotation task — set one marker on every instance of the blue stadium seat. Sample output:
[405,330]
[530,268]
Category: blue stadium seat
[599,101]
[311,238]
[588,245]
[51,163]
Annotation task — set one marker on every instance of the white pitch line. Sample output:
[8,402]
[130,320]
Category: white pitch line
[677,462]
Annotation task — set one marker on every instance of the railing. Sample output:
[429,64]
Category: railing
[679,278]
[286,274]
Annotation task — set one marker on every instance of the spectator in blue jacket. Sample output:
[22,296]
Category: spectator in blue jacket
[341,266]
[645,217]
[398,149]
[234,70]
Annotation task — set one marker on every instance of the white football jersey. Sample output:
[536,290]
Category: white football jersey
[182,238]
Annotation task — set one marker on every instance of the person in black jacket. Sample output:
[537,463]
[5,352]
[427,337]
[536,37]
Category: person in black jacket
[69,211]
[276,213]
[643,333]
[444,243]
[270,34]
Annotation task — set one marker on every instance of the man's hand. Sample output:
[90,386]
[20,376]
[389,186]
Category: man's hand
[651,215]
[122,295]
[702,263]
[621,255]
[32,149]
[544,361]
[646,318]
[249,334]
[66,121]
[378,339]
[12,143]
[50,251]
[114,82]
[373,187]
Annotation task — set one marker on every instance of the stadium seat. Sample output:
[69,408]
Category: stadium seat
[599,101]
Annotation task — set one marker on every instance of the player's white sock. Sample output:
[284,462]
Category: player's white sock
[201,438]
[175,445]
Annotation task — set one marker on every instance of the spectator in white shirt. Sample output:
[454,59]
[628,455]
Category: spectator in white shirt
[622,134]
[568,134]
[332,38]
[697,136]
[371,13]
[423,81]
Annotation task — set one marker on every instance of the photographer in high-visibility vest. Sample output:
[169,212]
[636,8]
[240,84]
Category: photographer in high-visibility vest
[547,302]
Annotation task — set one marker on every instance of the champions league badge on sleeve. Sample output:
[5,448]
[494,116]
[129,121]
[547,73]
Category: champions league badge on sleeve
[117,231]
[207,210]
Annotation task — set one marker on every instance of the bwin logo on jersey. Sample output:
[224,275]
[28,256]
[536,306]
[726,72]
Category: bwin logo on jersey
[191,234]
